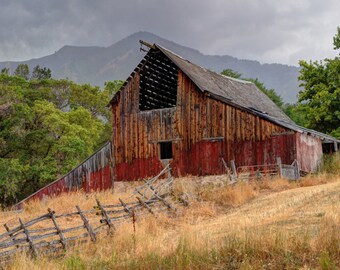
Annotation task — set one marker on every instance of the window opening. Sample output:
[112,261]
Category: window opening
[166,150]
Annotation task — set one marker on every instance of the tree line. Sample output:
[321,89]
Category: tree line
[22,70]
[47,127]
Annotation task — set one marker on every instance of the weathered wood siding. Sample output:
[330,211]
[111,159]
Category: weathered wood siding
[308,152]
[203,130]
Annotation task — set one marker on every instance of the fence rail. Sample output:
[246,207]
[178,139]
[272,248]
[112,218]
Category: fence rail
[53,232]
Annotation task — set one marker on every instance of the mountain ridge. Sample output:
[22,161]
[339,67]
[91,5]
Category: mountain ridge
[97,64]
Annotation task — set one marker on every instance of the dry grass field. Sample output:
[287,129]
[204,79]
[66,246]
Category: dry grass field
[268,224]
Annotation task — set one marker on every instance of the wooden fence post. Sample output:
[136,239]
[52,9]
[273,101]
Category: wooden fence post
[145,205]
[87,224]
[233,168]
[105,215]
[165,202]
[11,234]
[225,165]
[126,208]
[279,164]
[29,239]
[60,233]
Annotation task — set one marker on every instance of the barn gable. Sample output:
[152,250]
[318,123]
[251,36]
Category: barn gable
[158,75]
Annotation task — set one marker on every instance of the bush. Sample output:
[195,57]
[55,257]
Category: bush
[330,164]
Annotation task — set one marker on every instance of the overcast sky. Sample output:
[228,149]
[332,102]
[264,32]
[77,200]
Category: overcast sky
[265,30]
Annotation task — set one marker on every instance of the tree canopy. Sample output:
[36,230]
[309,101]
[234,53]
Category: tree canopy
[22,71]
[47,127]
[41,73]
[320,97]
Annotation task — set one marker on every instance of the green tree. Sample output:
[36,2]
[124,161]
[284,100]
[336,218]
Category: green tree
[11,177]
[22,71]
[5,70]
[89,97]
[112,87]
[271,93]
[296,112]
[231,73]
[321,94]
[45,130]
[336,40]
[39,73]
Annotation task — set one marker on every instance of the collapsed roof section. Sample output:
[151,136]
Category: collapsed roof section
[234,91]
[158,82]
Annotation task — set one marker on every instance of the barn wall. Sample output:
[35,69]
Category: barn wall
[202,130]
[309,152]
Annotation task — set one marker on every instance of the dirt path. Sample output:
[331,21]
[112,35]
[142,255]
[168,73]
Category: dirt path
[300,208]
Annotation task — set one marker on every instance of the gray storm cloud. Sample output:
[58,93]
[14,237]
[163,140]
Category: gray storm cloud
[268,31]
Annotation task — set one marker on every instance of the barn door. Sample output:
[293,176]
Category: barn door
[211,152]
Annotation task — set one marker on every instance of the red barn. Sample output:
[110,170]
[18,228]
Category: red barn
[170,108]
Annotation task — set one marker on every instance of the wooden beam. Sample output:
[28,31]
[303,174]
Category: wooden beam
[126,208]
[59,231]
[147,44]
[87,224]
[105,215]
[144,204]
[28,238]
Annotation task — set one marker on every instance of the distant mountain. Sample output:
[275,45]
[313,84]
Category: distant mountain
[95,65]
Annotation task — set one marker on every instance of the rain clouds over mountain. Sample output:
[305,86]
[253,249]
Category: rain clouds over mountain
[95,65]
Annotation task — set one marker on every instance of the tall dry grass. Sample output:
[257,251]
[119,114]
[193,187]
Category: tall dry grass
[164,244]
[217,231]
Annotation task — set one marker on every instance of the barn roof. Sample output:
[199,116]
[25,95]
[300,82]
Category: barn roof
[292,126]
[234,91]
[240,93]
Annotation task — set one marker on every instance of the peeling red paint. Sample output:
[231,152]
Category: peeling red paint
[309,152]
[100,180]
[205,157]
[138,169]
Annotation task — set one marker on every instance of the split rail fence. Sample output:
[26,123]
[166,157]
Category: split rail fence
[54,233]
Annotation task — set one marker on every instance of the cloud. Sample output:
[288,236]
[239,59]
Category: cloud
[264,30]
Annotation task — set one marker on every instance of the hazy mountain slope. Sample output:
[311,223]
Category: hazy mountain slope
[95,65]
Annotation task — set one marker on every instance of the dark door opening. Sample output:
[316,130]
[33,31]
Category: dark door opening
[166,150]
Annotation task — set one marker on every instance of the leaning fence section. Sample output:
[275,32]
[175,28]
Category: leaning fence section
[53,232]
[258,172]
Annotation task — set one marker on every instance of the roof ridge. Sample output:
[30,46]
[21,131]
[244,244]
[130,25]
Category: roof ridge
[205,69]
